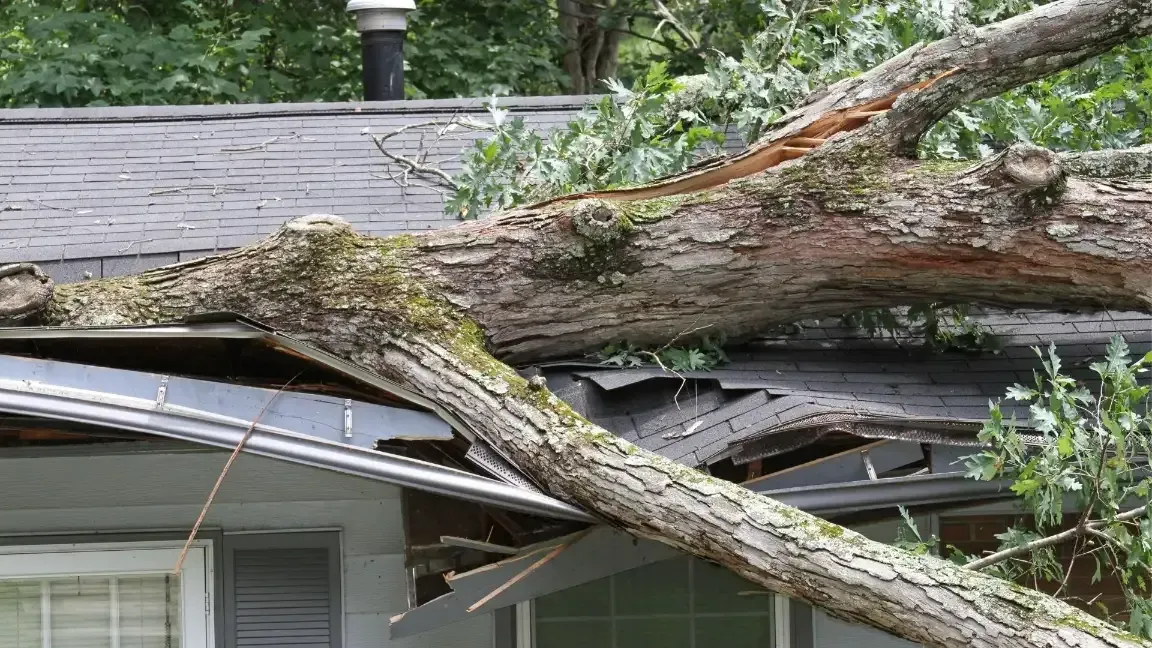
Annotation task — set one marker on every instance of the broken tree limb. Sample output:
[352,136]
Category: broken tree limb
[849,224]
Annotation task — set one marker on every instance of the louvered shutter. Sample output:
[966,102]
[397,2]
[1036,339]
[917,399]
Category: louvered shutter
[282,595]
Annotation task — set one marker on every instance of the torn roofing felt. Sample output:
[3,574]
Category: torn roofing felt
[783,393]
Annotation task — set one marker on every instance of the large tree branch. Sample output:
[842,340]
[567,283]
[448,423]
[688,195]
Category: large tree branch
[986,62]
[892,105]
[364,299]
[839,225]
[840,229]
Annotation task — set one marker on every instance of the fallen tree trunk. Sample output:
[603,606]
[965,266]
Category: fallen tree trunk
[848,224]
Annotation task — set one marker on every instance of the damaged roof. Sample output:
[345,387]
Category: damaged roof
[785,392]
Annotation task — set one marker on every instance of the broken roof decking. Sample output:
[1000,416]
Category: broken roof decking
[773,394]
[110,191]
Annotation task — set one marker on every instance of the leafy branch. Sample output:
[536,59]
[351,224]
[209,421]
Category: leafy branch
[707,354]
[1087,451]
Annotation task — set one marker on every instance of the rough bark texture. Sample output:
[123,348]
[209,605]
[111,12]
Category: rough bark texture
[846,226]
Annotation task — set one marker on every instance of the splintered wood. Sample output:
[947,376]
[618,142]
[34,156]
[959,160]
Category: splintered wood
[759,158]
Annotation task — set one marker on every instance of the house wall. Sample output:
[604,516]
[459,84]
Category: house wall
[163,491]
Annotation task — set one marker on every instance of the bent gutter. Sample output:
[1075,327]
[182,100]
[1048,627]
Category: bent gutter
[197,426]
[914,490]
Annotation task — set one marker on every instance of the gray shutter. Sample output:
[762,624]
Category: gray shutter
[282,590]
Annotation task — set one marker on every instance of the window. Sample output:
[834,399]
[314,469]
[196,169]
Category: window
[677,603]
[104,596]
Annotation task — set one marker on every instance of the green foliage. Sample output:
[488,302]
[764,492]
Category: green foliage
[908,536]
[943,327]
[1085,451]
[620,140]
[704,356]
[477,48]
[77,53]
[113,52]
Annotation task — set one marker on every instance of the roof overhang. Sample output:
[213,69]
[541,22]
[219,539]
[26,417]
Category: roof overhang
[327,432]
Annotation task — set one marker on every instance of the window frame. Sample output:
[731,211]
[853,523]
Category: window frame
[523,616]
[197,575]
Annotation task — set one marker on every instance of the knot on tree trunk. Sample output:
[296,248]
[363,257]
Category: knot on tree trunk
[599,221]
[316,224]
[24,292]
[1028,175]
[1032,167]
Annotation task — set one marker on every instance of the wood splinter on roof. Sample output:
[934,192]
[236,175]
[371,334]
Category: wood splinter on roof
[760,158]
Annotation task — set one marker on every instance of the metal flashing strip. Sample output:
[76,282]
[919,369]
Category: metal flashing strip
[913,490]
[226,325]
[315,415]
[141,414]
[223,330]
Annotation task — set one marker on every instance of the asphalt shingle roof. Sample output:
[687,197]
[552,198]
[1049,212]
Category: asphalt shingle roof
[110,191]
[828,373]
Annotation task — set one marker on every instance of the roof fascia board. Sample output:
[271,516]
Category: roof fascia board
[343,421]
[144,415]
[597,554]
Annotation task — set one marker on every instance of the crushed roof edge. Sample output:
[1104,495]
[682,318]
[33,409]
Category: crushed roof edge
[114,114]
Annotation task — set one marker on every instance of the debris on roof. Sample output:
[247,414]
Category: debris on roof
[781,398]
[112,191]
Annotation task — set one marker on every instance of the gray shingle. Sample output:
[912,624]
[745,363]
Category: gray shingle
[114,161]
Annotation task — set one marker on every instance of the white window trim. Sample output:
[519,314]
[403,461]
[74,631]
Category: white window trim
[782,620]
[525,620]
[100,559]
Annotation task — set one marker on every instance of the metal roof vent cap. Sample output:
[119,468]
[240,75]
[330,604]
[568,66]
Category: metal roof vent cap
[382,25]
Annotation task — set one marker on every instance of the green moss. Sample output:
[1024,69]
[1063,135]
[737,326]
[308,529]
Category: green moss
[941,167]
[829,530]
[653,210]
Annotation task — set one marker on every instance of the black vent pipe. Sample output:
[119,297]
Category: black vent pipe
[382,25]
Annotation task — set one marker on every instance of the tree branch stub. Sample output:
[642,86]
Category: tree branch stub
[24,292]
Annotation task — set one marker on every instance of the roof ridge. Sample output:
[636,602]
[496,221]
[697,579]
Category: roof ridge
[215,112]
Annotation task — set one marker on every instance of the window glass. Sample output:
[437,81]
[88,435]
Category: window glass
[677,603]
[136,611]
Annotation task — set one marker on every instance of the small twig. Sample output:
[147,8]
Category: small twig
[220,479]
[415,166]
[47,206]
[1051,540]
[216,189]
[667,17]
[262,146]
[131,243]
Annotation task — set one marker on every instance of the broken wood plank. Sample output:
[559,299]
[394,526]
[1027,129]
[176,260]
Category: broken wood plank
[531,568]
[478,545]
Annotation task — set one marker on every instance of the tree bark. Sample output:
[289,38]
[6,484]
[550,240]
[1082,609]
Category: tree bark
[849,224]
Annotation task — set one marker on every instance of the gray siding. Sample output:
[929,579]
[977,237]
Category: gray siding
[164,492]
